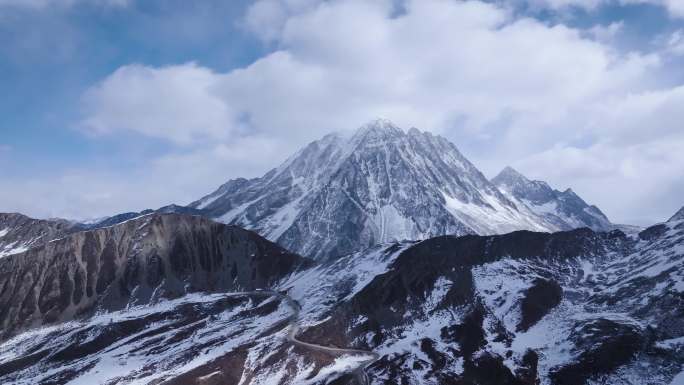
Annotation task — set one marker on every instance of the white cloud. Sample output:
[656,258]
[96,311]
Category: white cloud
[634,169]
[267,18]
[675,7]
[504,89]
[563,4]
[606,33]
[675,43]
[176,103]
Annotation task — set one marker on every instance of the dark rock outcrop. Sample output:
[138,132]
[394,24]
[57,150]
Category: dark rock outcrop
[540,298]
[603,346]
[397,298]
[141,260]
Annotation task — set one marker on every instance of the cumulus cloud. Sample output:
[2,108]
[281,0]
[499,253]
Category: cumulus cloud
[633,168]
[675,7]
[177,103]
[361,63]
[505,89]
[267,18]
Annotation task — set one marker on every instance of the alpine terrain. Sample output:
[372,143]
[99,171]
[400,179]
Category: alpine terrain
[381,257]
[179,299]
[18,232]
[344,193]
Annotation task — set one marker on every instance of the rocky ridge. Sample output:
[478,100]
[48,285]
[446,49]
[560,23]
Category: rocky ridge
[344,193]
[136,262]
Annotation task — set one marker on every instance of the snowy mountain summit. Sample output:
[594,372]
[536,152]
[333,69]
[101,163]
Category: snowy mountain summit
[344,193]
[565,209]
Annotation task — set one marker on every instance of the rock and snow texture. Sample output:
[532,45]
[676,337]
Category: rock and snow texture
[135,262]
[120,305]
[525,308]
[145,344]
[574,307]
[205,339]
[564,209]
[321,287]
[342,194]
[19,233]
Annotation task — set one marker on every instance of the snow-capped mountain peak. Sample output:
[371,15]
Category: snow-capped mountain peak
[516,184]
[565,209]
[379,183]
[378,129]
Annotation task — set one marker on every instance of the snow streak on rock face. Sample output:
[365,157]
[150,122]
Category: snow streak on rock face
[576,307]
[75,286]
[141,345]
[19,233]
[319,289]
[564,209]
[568,308]
[620,314]
[342,194]
[197,339]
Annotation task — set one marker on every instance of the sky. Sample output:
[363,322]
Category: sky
[110,106]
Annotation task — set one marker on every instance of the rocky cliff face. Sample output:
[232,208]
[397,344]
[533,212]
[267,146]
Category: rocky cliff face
[19,233]
[135,262]
[342,194]
[574,307]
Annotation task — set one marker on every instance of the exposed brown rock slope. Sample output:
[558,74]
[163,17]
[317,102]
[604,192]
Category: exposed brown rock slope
[133,262]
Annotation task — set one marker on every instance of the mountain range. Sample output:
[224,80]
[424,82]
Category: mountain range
[179,299]
[373,258]
[347,192]
[344,193]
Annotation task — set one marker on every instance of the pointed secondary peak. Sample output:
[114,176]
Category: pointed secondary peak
[509,176]
[510,171]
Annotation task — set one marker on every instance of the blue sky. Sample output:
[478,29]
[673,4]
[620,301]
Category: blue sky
[118,105]
[50,55]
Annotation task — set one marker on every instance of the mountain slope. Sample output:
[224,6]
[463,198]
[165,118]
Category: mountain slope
[342,194]
[19,233]
[577,307]
[563,208]
[138,261]
[574,307]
